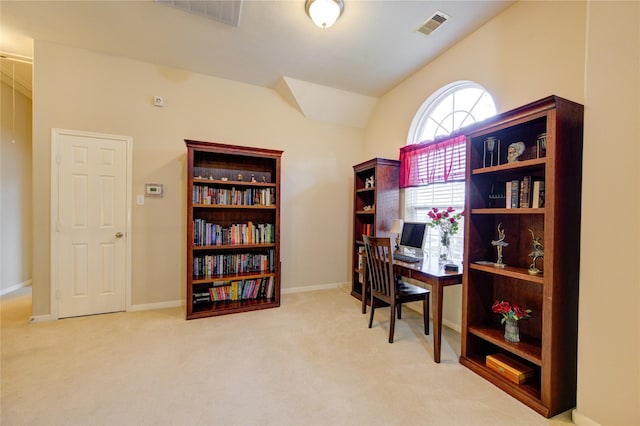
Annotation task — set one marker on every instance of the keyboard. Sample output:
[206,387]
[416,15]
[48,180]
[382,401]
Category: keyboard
[405,258]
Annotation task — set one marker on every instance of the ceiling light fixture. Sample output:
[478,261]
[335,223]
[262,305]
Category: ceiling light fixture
[324,13]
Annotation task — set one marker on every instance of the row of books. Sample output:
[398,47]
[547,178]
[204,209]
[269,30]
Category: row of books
[527,192]
[211,234]
[221,264]
[367,229]
[261,288]
[203,194]
[236,175]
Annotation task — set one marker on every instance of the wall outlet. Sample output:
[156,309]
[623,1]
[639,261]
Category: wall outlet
[158,101]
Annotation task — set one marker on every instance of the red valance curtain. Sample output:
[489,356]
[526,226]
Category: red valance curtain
[433,162]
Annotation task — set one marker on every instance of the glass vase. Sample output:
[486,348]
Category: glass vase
[511,331]
[445,247]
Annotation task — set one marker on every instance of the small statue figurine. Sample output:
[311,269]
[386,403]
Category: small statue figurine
[514,151]
[499,244]
[369,182]
[239,177]
[253,178]
[537,252]
[264,179]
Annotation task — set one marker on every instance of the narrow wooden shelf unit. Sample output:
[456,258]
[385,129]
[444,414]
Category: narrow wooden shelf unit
[546,180]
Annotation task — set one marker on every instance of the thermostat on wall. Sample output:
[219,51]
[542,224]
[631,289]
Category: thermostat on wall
[153,189]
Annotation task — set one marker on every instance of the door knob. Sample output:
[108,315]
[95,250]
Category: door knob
[119,235]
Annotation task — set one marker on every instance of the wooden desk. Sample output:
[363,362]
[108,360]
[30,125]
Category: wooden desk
[429,272]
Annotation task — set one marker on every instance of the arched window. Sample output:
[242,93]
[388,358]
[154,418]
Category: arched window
[449,109]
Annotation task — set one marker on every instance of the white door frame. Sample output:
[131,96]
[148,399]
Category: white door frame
[55,134]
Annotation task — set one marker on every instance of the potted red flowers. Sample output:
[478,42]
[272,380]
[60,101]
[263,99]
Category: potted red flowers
[511,314]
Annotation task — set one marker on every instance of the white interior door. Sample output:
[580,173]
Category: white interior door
[90,230]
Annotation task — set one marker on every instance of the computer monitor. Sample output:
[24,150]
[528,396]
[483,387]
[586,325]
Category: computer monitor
[412,237]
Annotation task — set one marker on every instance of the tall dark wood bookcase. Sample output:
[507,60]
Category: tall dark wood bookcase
[376,203]
[233,229]
[548,340]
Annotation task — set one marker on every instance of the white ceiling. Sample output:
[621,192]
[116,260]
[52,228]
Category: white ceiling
[372,47]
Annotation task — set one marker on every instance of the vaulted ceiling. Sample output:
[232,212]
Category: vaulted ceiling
[372,47]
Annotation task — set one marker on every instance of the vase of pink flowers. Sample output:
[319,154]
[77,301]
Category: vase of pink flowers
[447,222]
[511,314]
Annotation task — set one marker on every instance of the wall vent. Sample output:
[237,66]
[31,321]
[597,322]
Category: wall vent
[433,23]
[225,11]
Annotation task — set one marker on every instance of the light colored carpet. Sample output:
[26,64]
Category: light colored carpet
[313,361]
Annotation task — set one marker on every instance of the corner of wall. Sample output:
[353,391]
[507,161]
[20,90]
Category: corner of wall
[326,103]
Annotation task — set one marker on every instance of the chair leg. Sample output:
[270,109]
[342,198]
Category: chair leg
[425,311]
[392,325]
[399,307]
[373,308]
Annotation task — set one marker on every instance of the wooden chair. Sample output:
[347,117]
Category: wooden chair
[385,287]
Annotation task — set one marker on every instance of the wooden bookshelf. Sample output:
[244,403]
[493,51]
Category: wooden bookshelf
[549,338]
[233,229]
[384,199]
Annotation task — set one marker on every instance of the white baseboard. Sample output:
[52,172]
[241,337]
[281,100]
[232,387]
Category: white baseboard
[159,305]
[39,318]
[417,307]
[13,288]
[179,303]
[347,286]
[452,325]
[132,308]
[311,288]
[582,420]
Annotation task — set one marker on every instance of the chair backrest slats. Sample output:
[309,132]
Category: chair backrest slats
[380,265]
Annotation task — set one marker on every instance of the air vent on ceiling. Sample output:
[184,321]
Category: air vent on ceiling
[225,11]
[433,23]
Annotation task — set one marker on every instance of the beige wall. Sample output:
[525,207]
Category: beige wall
[608,354]
[15,191]
[587,52]
[512,58]
[515,56]
[80,90]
